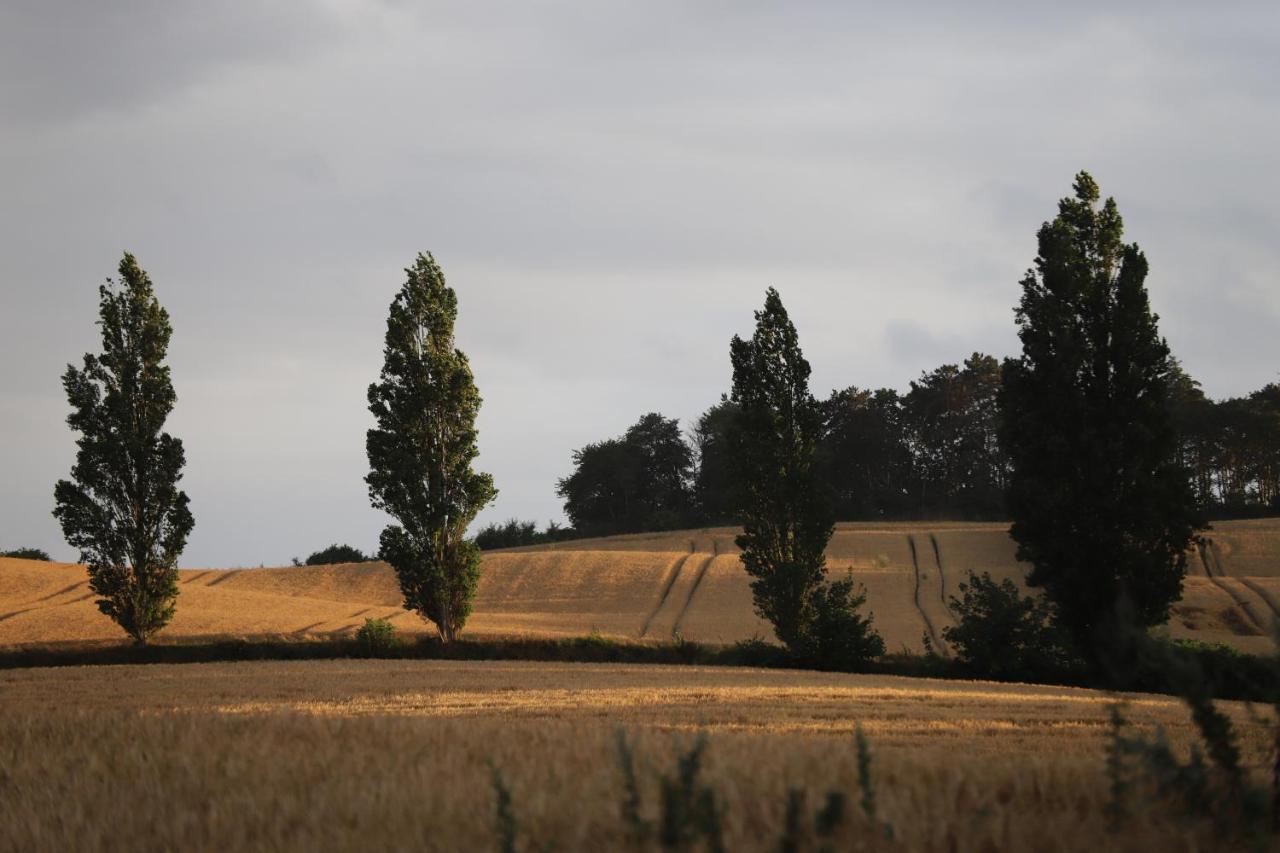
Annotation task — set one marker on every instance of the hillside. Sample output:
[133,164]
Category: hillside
[648,586]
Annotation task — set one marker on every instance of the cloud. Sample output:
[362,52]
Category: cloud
[610,187]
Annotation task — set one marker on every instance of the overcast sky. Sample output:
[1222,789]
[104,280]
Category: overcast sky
[609,187]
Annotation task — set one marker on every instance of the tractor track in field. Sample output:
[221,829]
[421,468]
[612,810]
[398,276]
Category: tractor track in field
[673,574]
[62,591]
[942,576]
[928,623]
[226,575]
[1262,593]
[697,582]
[1219,580]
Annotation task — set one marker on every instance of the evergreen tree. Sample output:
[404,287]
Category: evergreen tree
[122,508]
[421,451]
[787,519]
[1100,508]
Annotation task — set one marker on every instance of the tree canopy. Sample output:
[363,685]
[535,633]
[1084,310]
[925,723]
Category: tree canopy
[122,507]
[421,452]
[1101,508]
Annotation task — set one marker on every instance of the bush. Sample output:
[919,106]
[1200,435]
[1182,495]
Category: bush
[377,637]
[338,554]
[837,636]
[27,554]
[1002,634]
[510,534]
[514,533]
[1214,784]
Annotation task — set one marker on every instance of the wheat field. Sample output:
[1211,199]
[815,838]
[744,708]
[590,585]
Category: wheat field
[396,755]
[644,587]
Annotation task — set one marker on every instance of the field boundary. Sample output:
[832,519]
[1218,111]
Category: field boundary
[1238,677]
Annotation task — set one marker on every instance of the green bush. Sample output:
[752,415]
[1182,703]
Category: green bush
[377,637]
[838,636]
[338,554]
[1002,634]
[28,554]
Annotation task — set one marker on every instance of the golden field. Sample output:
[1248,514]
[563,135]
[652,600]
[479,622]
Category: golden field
[645,586]
[395,755]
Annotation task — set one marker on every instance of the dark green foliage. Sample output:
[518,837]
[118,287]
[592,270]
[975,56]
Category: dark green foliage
[799,833]
[864,775]
[122,508]
[839,637]
[951,424]
[514,533]
[638,482]
[377,638]
[504,818]
[27,554]
[1100,507]
[638,829]
[999,633]
[715,490]
[688,810]
[787,519]
[420,454]
[338,554]
[865,455]
[1218,789]
[511,534]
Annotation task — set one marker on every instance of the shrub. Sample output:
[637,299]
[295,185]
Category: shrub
[27,554]
[510,534]
[377,637]
[838,636]
[338,554]
[1003,634]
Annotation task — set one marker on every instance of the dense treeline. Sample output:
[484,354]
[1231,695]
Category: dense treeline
[1230,447]
[931,452]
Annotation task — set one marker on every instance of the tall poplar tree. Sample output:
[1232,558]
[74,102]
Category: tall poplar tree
[1100,508]
[787,520]
[122,507]
[421,451]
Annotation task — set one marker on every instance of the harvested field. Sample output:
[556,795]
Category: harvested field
[645,586]
[394,755]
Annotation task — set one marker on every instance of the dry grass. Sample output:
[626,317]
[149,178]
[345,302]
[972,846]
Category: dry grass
[344,755]
[648,585]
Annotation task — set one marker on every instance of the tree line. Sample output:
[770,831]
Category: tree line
[1084,439]
[931,452]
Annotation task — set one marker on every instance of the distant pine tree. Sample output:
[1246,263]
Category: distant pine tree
[421,451]
[1100,508]
[122,507]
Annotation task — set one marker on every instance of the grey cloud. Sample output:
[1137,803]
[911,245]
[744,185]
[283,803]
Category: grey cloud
[610,187]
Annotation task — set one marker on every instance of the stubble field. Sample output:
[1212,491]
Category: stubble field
[397,755]
[648,587]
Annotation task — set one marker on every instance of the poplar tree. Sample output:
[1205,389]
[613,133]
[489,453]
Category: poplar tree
[1100,508]
[786,520]
[425,405]
[122,507]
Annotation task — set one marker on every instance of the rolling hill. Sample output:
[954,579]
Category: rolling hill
[644,586]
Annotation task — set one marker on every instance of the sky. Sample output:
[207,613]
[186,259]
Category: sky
[610,187]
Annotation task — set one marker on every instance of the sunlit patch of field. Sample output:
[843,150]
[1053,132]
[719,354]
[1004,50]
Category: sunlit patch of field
[650,587]
[395,755]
